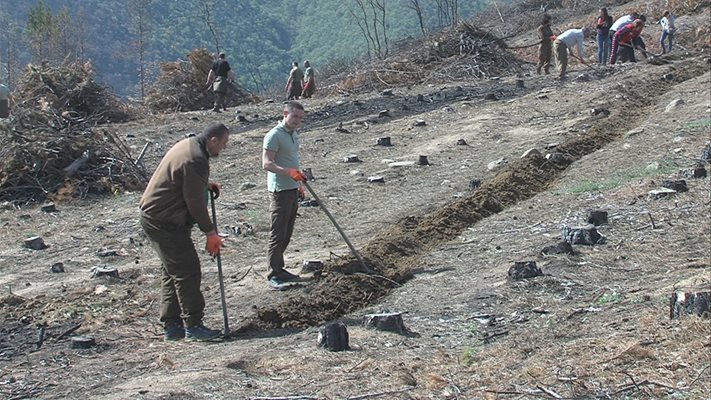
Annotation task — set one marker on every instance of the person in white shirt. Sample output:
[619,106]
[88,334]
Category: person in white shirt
[668,28]
[564,43]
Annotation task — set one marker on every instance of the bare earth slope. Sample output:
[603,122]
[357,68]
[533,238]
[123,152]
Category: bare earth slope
[595,325]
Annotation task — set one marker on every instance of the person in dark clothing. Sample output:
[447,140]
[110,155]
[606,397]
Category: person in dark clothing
[220,76]
[174,200]
[603,24]
[545,48]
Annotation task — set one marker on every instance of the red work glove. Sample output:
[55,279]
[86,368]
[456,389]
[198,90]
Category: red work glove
[215,189]
[297,175]
[554,37]
[214,242]
[301,192]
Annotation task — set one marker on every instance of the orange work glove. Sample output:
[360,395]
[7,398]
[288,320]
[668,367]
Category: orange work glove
[215,189]
[297,175]
[214,242]
[301,192]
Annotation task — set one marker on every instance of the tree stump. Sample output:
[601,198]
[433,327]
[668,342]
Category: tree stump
[419,122]
[384,113]
[520,83]
[82,342]
[35,243]
[48,208]
[422,160]
[383,141]
[351,158]
[391,322]
[695,172]
[586,235]
[333,336]
[312,265]
[490,96]
[524,270]
[461,142]
[687,303]
[57,267]
[560,248]
[104,271]
[676,185]
[596,217]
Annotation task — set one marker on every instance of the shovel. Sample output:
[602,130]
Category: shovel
[219,270]
[364,267]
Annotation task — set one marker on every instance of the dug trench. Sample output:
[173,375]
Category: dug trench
[395,252]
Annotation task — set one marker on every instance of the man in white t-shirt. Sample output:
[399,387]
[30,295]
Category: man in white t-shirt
[564,43]
[668,29]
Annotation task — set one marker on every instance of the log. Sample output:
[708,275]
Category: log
[391,322]
[560,248]
[333,336]
[690,303]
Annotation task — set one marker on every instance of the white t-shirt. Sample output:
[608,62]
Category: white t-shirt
[573,38]
[620,22]
[668,23]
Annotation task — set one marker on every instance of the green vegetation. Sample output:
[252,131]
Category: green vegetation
[618,179]
[127,39]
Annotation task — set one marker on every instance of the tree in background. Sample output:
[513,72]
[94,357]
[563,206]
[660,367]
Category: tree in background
[41,31]
[370,15]
[207,8]
[447,12]
[139,11]
[417,8]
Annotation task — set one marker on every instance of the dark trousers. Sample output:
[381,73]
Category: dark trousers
[283,207]
[181,298]
[545,51]
[220,100]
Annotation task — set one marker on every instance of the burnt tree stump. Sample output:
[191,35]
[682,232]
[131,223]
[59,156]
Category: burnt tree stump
[560,248]
[586,235]
[695,172]
[35,243]
[391,322]
[104,271]
[596,217]
[687,303]
[351,158]
[676,185]
[383,141]
[524,270]
[333,336]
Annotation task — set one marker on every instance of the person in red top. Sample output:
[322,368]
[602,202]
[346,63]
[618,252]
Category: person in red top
[622,42]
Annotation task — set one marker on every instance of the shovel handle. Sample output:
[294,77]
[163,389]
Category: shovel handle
[219,270]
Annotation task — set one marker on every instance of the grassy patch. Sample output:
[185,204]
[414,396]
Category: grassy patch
[618,179]
[702,123]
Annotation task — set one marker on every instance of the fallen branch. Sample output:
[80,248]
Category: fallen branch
[371,395]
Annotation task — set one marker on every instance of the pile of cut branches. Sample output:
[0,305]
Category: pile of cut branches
[181,86]
[51,146]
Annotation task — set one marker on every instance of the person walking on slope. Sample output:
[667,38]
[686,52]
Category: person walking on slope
[668,29]
[280,158]
[564,43]
[174,200]
[294,86]
[603,24]
[221,76]
[545,48]
[309,81]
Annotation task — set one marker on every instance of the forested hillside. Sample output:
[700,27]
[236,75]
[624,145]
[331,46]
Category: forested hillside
[127,39]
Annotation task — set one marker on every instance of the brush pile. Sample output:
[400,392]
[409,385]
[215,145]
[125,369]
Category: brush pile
[181,86]
[51,147]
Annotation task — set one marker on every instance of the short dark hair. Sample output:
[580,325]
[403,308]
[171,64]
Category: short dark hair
[222,55]
[296,64]
[546,18]
[217,130]
[291,106]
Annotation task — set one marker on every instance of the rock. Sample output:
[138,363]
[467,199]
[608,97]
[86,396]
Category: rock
[524,270]
[104,271]
[387,92]
[586,235]
[309,203]
[383,141]
[582,78]
[35,243]
[490,96]
[531,153]
[57,267]
[447,109]
[673,105]
[351,158]
[48,208]
[596,217]
[676,185]
[356,172]
[520,83]
[668,77]
[422,160]
[660,193]
[496,165]
[419,122]
[333,336]
[420,98]
[474,184]
[555,158]
[597,111]
[241,118]
[376,179]
[82,342]
[559,248]
[695,172]
[551,146]
[653,166]
[461,142]
[107,253]
[384,113]
[391,322]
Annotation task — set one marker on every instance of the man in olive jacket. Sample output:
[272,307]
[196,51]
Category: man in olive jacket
[174,200]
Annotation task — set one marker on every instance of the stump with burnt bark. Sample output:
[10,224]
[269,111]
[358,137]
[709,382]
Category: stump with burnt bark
[333,336]
[524,270]
[391,322]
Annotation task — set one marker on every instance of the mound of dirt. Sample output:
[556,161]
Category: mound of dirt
[181,86]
